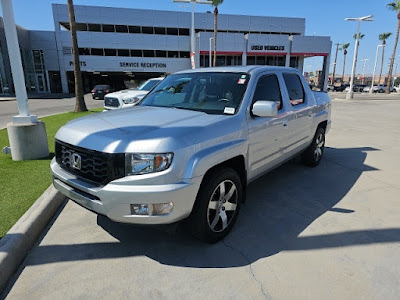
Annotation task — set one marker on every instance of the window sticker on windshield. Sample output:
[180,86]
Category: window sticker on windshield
[243,76]
[229,110]
[242,81]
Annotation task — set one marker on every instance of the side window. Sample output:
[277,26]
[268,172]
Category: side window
[294,88]
[268,89]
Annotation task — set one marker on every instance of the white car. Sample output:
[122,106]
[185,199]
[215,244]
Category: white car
[129,97]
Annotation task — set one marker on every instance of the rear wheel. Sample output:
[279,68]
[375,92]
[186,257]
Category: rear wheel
[217,206]
[313,154]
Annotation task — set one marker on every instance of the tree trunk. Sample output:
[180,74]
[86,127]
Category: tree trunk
[383,56]
[393,55]
[215,36]
[344,64]
[80,101]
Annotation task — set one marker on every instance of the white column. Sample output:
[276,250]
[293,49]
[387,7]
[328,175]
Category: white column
[16,65]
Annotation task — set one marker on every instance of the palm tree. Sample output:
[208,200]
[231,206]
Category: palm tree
[393,6]
[344,47]
[383,37]
[80,101]
[215,3]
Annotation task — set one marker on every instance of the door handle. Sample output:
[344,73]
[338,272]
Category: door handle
[284,124]
[310,115]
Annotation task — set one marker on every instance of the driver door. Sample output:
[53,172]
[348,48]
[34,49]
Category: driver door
[267,135]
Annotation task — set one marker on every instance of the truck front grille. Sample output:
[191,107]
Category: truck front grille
[111,102]
[91,165]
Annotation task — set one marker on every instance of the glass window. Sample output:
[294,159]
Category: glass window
[94,27]
[184,54]
[134,29]
[251,60]
[147,30]
[96,51]
[220,61]
[173,54]
[184,31]
[148,53]
[268,90]
[81,26]
[110,52]
[123,52]
[84,51]
[172,31]
[108,28]
[159,30]
[260,60]
[161,53]
[209,92]
[136,53]
[121,28]
[294,88]
[294,62]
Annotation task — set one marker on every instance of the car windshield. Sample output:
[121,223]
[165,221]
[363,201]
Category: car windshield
[148,85]
[209,92]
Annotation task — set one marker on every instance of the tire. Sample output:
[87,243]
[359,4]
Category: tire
[206,221]
[313,154]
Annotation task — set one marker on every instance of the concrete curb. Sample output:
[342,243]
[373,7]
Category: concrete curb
[15,245]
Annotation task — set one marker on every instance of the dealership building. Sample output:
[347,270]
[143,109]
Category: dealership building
[118,45]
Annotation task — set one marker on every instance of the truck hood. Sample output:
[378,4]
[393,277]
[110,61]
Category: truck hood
[127,93]
[143,129]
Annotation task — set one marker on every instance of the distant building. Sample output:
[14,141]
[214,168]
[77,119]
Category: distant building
[117,45]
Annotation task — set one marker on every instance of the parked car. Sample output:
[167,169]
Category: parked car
[356,87]
[129,97]
[330,88]
[378,89]
[192,146]
[100,90]
[340,88]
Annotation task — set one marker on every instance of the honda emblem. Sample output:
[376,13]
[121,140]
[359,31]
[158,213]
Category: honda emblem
[76,161]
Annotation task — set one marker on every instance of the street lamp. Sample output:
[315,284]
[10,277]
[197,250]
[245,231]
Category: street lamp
[371,90]
[365,61]
[211,38]
[192,37]
[353,69]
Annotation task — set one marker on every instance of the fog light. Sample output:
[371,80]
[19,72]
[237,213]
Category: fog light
[162,208]
[139,209]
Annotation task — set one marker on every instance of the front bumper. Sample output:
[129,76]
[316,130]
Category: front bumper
[114,199]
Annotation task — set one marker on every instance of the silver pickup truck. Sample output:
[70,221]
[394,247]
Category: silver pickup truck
[191,147]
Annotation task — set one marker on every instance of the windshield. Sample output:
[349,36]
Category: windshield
[148,85]
[213,92]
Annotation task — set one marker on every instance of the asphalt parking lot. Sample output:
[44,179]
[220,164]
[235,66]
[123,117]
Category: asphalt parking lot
[332,232]
[43,107]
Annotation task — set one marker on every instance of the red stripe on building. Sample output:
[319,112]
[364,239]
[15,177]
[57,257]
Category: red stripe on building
[308,54]
[222,52]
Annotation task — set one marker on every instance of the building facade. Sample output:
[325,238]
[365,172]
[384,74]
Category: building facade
[118,45]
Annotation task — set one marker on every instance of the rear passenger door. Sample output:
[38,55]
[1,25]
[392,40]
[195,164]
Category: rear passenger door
[300,124]
[267,135]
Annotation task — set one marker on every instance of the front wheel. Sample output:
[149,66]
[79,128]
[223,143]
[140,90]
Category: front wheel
[313,154]
[217,206]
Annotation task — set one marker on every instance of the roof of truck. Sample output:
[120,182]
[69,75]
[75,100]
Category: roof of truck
[241,69]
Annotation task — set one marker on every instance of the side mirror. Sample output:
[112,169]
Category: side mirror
[263,108]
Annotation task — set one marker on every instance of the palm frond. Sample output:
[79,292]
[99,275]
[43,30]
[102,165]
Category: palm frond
[216,2]
[345,46]
[384,36]
[393,6]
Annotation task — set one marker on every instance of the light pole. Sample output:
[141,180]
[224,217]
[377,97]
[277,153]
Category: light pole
[365,61]
[211,38]
[371,90]
[353,69]
[27,136]
[334,66]
[192,37]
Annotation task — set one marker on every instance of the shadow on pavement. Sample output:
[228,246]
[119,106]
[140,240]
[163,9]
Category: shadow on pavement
[279,207]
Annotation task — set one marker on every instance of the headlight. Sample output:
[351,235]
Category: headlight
[137,164]
[131,100]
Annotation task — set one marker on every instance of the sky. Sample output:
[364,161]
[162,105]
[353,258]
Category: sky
[323,18]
